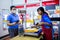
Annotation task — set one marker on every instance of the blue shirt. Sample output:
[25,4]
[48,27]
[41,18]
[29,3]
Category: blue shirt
[13,18]
[45,18]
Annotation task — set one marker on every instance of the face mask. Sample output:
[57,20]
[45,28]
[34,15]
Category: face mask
[14,11]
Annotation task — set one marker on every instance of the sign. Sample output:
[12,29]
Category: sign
[29,5]
[57,9]
[47,0]
[46,3]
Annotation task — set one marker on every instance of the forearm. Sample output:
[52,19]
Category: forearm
[10,24]
[44,23]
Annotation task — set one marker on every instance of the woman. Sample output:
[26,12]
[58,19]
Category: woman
[45,23]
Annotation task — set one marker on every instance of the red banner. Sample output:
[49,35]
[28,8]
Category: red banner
[20,6]
[44,3]
[33,5]
[46,0]
[55,2]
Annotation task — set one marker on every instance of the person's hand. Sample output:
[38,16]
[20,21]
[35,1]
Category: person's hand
[13,23]
[41,23]
[33,26]
[42,33]
[19,23]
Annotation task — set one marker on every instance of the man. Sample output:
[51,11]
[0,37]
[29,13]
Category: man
[13,22]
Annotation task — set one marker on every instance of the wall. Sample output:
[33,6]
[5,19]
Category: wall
[18,2]
[4,5]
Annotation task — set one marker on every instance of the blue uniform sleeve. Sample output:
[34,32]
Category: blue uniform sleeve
[47,19]
[8,18]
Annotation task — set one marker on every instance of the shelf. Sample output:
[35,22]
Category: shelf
[55,19]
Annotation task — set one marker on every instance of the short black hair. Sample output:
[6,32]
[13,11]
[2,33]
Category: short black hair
[41,8]
[12,7]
